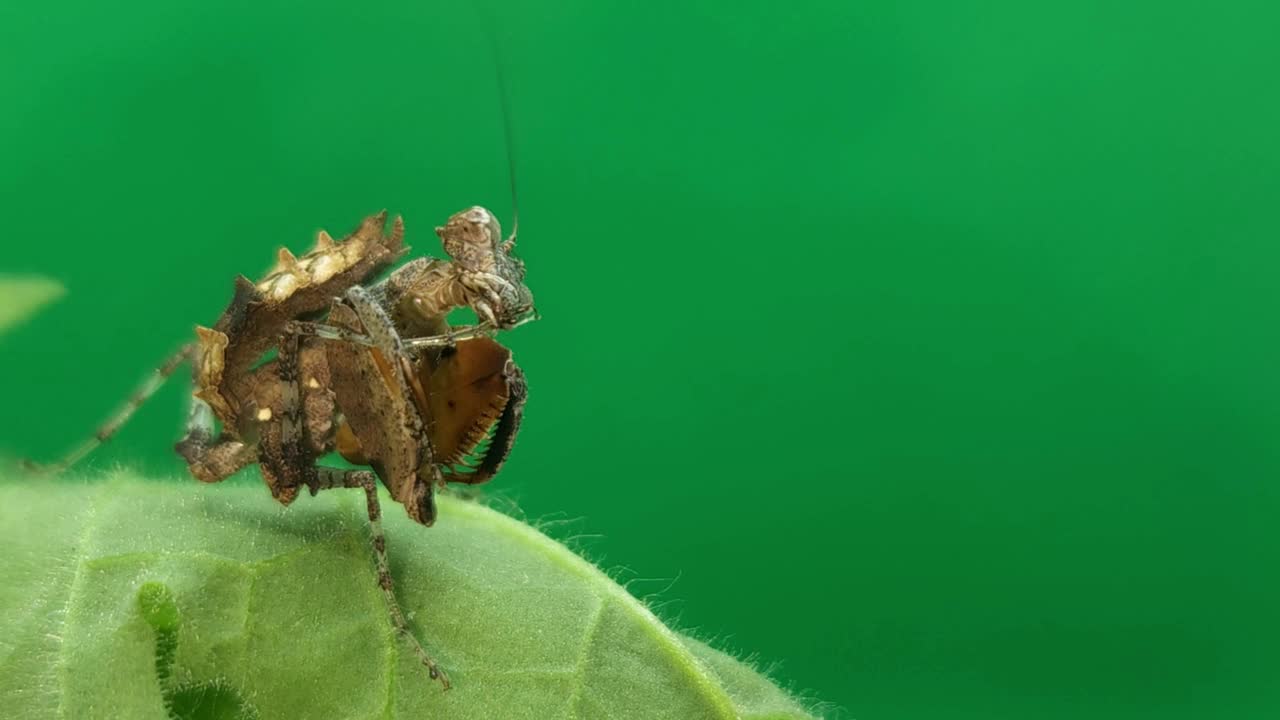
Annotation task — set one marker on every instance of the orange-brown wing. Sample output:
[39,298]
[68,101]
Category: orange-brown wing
[474,392]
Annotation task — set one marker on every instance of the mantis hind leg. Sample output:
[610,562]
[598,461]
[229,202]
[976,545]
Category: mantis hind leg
[107,430]
[327,478]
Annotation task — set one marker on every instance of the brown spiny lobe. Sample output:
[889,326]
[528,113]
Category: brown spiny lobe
[209,366]
[296,288]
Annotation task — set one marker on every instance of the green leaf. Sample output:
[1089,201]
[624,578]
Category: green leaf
[127,598]
[21,297]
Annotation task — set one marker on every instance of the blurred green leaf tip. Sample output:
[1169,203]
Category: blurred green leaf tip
[128,598]
[21,296]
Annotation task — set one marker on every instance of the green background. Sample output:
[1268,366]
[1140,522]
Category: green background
[928,349]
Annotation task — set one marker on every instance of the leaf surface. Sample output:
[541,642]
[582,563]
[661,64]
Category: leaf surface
[145,599]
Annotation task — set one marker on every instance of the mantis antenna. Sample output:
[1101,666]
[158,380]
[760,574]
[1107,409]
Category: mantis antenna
[508,133]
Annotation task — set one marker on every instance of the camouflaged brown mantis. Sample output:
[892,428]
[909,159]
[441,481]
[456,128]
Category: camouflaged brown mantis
[371,370]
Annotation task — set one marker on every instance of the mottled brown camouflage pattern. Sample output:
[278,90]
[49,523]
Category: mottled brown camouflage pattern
[296,288]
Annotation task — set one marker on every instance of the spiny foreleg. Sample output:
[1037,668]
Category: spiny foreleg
[332,332]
